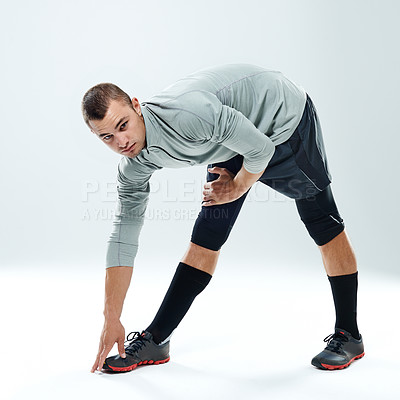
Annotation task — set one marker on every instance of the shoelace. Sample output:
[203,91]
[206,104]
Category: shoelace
[335,342]
[136,343]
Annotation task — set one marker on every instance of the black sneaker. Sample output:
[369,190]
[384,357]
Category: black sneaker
[341,351]
[141,350]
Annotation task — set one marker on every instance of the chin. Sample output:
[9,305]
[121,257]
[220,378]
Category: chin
[130,155]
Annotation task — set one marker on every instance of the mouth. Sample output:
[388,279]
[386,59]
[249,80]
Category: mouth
[129,149]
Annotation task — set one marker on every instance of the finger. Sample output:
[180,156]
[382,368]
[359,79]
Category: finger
[218,170]
[96,363]
[103,356]
[209,203]
[207,198]
[224,172]
[215,170]
[101,361]
[121,348]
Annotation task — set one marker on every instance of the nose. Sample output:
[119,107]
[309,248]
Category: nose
[122,141]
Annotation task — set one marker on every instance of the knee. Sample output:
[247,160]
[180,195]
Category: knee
[212,227]
[321,216]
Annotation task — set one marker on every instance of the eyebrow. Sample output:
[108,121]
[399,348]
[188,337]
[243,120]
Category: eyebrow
[116,127]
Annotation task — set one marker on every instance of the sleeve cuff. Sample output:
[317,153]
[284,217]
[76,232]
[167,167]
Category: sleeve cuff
[255,166]
[120,254]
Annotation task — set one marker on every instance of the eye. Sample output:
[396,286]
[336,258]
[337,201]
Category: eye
[123,125]
[107,137]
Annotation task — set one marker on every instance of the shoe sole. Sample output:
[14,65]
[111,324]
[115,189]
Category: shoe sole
[133,366]
[333,367]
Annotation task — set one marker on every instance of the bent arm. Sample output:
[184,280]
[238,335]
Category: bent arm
[234,131]
[244,180]
[208,119]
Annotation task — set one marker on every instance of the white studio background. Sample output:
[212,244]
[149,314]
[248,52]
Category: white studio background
[58,193]
[58,181]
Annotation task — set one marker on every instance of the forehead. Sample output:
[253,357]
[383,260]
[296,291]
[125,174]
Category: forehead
[116,111]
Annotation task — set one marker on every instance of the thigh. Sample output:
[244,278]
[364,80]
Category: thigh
[299,167]
[214,223]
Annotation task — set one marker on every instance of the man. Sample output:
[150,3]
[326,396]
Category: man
[248,124]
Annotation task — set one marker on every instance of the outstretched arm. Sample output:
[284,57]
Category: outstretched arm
[133,190]
[116,286]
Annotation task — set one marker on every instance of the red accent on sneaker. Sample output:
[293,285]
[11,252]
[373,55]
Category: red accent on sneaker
[133,366]
[327,366]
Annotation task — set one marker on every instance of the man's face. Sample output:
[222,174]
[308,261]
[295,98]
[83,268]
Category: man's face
[122,128]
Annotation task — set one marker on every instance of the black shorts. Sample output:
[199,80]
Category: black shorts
[299,166]
[298,170]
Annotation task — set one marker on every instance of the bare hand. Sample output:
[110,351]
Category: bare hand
[113,332]
[222,190]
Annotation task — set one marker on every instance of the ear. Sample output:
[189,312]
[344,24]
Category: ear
[136,106]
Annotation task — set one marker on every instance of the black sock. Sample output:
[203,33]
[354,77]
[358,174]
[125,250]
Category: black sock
[344,290]
[186,284]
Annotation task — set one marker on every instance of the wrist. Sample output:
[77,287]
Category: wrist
[240,187]
[111,316]
[244,180]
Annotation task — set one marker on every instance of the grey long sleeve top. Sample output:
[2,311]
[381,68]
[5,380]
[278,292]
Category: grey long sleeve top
[209,116]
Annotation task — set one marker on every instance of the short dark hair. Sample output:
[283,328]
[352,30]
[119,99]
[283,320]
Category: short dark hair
[97,99]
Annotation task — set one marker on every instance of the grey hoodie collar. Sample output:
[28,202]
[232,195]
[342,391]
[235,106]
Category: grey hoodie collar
[151,127]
